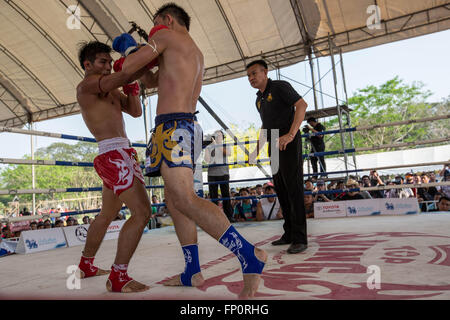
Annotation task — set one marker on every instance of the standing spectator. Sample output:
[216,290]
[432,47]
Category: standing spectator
[282,109]
[269,208]
[425,194]
[245,209]
[33,225]
[216,156]
[317,145]
[40,225]
[254,192]
[375,181]
[70,221]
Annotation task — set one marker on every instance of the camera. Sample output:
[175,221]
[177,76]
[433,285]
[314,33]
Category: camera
[305,129]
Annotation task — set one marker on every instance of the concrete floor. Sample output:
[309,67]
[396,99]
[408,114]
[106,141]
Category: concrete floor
[408,256]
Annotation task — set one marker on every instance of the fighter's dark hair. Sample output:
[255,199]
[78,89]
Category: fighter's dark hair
[177,12]
[88,51]
[260,62]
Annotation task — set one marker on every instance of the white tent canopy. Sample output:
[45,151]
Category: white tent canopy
[39,68]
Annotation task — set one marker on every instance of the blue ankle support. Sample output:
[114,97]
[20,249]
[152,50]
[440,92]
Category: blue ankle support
[243,250]
[192,264]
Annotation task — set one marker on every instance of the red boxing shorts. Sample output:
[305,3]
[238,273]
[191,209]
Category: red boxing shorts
[117,164]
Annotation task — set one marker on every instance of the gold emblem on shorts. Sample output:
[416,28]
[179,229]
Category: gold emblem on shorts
[163,145]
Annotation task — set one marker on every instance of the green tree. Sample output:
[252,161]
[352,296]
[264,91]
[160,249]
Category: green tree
[390,102]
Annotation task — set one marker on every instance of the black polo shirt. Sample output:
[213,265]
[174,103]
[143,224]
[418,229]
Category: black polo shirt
[276,105]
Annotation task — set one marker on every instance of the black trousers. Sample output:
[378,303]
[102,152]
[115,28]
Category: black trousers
[288,182]
[224,190]
[315,160]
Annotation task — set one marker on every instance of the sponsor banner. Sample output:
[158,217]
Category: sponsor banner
[358,208]
[329,209]
[395,206]
[76,235]
[7,246]
[41,240]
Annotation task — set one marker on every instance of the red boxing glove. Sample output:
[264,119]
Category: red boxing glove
[118,64]
[131,89]
[155,29]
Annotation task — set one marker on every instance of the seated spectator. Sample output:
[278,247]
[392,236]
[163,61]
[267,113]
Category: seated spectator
[321,186]
[70,221]
[48,224]
[59,223]
[391,193]
[259,190]
[40,225]
[309,205]
[354,195]
[269,208]
[85,220]
[25,212]
[443,204]
[309,185]
[33,225]
[340,185]
[6,232]
[445,174]
[245,210]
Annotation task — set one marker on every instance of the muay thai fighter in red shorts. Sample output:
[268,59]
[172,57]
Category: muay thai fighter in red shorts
[102,105]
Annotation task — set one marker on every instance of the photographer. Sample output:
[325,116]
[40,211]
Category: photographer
[218,155]
[317,144]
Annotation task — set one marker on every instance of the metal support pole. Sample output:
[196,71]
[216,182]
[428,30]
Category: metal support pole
[349,120]
[225,127]
[337,101]
[33,178]
[311,65]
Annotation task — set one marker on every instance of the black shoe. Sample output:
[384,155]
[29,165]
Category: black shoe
[280,242]
[297,248]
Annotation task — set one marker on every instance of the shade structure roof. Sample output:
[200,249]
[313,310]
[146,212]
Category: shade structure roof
[39,68]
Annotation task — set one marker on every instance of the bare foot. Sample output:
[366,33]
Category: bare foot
[196,280]
[132,286]
[251,281]
[100,272]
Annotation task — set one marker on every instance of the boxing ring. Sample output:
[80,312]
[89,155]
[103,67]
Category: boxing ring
[379,257]
[411,254]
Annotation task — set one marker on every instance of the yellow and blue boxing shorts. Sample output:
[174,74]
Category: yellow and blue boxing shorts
[177,140]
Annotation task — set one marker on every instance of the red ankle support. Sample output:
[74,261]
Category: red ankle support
[87,266]
[118,278]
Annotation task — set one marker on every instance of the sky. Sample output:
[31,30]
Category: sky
[423,59]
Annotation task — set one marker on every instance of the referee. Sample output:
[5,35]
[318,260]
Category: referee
[282,108]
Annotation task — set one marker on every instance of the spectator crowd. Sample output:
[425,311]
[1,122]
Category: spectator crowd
[259,202]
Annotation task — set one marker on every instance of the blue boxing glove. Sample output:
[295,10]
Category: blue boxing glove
[125,44]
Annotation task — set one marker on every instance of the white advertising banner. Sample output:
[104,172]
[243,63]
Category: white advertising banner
[359,208]
[41,240]
[395,206]
[329,209]
[76,235]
